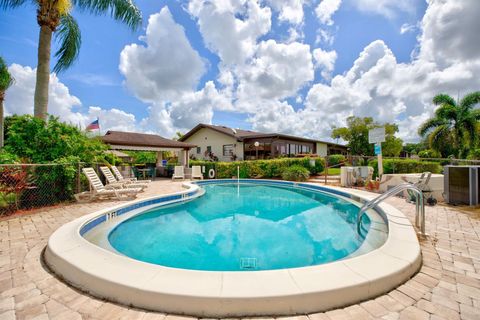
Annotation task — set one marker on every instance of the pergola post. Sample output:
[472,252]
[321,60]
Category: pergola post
[183,157]
[159,158]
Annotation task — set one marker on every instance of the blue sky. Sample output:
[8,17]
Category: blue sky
[95,78]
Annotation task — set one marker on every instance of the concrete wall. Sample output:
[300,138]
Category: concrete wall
[208,137]
[322,149]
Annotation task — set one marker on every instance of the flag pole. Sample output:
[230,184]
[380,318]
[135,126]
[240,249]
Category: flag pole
[98,120]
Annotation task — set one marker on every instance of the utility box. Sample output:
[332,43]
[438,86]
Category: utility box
[461,185]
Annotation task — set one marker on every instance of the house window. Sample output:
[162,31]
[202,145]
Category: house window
[228,150]
[209,149]
[199,150]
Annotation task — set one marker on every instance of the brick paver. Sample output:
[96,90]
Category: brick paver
[447,286]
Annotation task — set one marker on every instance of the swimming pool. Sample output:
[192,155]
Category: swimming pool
[226,249]
[244,227]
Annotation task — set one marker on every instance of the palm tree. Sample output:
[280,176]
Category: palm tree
[53,16]
[453,123]
[6,81]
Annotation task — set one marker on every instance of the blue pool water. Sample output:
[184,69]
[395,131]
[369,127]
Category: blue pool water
[241,228]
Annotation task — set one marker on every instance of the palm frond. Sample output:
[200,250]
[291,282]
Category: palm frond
[6,79]
[447,112]
[438,137]
[442,98]
[10,4]
[475,114]
[470,100]
[68,34]
[123,10]
[429,125]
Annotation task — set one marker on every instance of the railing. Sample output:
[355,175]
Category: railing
[420,205]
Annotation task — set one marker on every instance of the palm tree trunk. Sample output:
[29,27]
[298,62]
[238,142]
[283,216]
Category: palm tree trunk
[2,94]
[43,73]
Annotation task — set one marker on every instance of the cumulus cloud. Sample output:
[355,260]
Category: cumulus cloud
[277,71]
[325,61]
[378,85]
[19,100]
[112,119]
[326,9]
[165,66]
[289,10]
[231,28]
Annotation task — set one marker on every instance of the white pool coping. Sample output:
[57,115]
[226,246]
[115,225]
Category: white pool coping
[118,278]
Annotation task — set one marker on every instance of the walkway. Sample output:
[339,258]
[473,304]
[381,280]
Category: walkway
[447,287]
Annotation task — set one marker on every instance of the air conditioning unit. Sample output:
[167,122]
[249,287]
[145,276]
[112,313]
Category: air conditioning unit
[461,185]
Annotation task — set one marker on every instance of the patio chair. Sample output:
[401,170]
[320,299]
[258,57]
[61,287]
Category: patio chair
[111,180]
[120,177]
[197,172]
[99,191]
[178,173]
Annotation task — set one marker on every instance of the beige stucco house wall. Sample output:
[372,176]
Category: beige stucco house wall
[322,149]
[206,137]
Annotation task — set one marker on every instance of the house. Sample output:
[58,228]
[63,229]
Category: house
[227,144]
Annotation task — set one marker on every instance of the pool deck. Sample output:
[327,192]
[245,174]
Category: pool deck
[447,287]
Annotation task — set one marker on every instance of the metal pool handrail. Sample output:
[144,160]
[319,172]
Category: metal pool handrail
[419,210]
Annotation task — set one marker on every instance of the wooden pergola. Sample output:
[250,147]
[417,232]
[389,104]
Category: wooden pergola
[120,140]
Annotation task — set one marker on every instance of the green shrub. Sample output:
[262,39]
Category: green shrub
[406,166]
[6,157]
[259,168]
[336,159]
[429,153]
[474,154]
[296,173]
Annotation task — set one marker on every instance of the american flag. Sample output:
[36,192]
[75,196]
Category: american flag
[95,125]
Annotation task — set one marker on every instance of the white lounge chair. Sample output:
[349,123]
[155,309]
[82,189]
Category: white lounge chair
[120,177]
[197,172]
[99,191]
[178,173]
[111,180]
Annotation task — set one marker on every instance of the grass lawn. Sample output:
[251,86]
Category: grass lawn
[332,172]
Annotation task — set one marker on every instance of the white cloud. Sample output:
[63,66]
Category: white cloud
[277,71]
[112,119]
[231,29]
[407,28]
[19,98]
[325,61]
[326,9]
[289,10]
[379,86]
[387,8]
[166,66]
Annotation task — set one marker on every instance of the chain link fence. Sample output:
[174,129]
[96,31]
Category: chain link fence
[29,186]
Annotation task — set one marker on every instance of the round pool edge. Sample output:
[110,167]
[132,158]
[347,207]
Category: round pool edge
[120,279]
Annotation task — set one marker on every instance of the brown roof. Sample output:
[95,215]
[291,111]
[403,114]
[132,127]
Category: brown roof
[142,140]
[241,135]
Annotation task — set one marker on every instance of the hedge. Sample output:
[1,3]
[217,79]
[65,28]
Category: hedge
[295,173]
[336,159]
[259,168]
[406,166]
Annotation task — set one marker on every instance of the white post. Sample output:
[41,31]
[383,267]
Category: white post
[159,158]
[380,165]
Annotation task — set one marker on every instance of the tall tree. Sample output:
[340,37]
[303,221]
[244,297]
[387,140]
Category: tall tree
[356,134]
[6,80]
[454,124]
[53,17]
